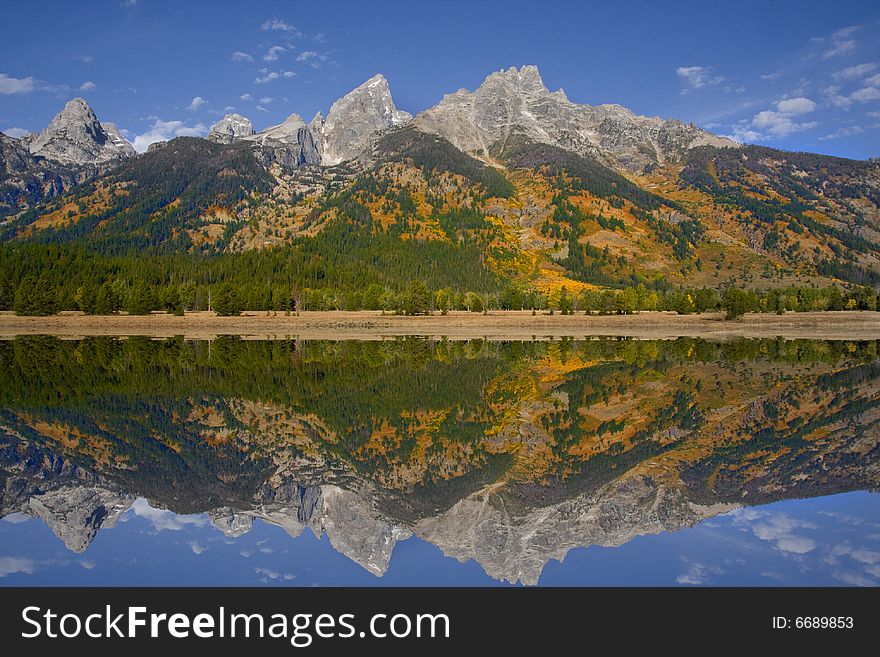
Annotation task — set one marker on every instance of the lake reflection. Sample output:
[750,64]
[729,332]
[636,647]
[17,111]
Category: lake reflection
[285,462]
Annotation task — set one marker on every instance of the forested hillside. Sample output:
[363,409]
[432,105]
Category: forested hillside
[418,225]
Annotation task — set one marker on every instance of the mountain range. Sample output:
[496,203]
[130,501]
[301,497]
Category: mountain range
[510,454]
[561,193]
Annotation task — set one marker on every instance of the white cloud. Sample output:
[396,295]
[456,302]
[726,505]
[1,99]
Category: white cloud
[85,59]
[9,85]
[313,58]
[269,76]
[697,77]
[777,123]
[246,98]
[267,574]
[163,131]
[239,56]
[196,103]
[10,565]
[698,574]
[776,528]
[857,71]
[265,100]
[834,96]
[197,547]
[839,48]
[863,95]
[772,76]
[796,544]
[261,108]
[274,53]
[128,3]
[266,77]
[798,105]
[847,131]
[280,25]
[845,32]
[87,564]
[854,579]
[866,94]
[865,555]
[17,133]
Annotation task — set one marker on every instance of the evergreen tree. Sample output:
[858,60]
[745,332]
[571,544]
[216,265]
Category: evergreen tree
[24,296]
[88,299]
[417,300]
[735,302]
[107,301]
[226,301]
[140,300]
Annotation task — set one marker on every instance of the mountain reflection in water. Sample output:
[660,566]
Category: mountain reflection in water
[510,454]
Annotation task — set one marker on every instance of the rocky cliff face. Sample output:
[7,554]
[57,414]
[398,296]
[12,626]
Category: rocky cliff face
[25,178]
[289,143]
[76,514]
[230,128]
[316,129]
[516,547]
[352,525]
[76,137]
[283,133]
[356,119]
[516,102]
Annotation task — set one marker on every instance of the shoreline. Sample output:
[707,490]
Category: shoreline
[496,325]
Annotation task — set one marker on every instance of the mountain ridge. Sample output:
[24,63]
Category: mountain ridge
[539,192]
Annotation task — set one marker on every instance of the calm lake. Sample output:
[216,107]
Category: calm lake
[429,462]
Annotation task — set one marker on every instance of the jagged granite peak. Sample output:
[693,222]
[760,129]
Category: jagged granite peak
[76,137]
[75,514]
[356,530]
[356,119]
[517,102]
[285,132]
[527,77]
[229,522]
[230,128]
[289,143]
[516,546]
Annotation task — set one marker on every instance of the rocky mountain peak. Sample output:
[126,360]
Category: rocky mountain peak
[356,119]
[285,132]
[526,78]
[290,143]
[230,128]
[76,137]
[515,101]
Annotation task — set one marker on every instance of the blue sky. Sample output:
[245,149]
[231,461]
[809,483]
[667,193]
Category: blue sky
[825,541]
[794,75]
